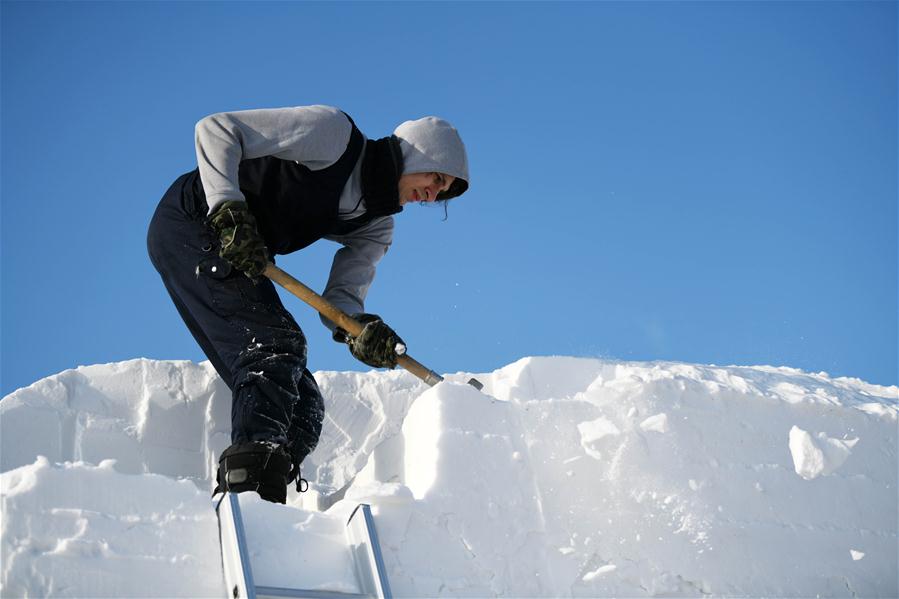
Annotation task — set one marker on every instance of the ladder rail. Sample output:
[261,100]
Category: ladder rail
[362,537]
[235,555]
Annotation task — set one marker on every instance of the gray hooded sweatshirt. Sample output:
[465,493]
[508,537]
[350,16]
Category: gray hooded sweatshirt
[316,137]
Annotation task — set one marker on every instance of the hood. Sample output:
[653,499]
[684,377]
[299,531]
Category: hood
[431,144]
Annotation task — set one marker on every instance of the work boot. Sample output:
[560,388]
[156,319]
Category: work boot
[259,466]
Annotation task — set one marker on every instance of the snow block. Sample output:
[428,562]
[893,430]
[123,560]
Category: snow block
[362,410]
[466,460]
[77,530]
[568,477]
[150,416]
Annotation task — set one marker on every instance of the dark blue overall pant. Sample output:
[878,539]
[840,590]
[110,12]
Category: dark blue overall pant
[240,323]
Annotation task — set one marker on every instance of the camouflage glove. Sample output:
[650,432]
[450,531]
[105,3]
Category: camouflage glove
[242,246]
[377,343]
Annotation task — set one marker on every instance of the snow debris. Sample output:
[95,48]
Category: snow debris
[602,570]
[813,458]
[593,432]
[657,423]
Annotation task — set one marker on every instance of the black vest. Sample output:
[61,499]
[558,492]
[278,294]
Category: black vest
[295,206]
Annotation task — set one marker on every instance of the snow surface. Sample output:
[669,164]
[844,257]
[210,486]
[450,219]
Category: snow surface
[564,477]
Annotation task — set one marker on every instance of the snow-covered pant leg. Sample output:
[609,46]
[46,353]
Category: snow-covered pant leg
[240,323]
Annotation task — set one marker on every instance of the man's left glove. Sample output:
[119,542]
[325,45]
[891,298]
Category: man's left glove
[242,245]
[376,345]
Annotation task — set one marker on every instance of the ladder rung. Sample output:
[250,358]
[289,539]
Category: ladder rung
[262,592]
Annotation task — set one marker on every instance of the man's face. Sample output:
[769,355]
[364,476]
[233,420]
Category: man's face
[423,187]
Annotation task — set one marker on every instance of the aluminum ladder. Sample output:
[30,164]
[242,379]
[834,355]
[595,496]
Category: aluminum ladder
[361,537]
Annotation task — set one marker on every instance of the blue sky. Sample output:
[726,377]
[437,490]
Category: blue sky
[708,182]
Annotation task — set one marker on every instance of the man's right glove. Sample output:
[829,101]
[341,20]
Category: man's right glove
[376,345]
[242,245]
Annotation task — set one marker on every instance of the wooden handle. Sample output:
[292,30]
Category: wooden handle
[324,307]
[341,319]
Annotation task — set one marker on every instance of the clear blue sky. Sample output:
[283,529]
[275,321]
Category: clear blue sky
[709,182]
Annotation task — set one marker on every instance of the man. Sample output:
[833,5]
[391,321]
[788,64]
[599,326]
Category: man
[272,182]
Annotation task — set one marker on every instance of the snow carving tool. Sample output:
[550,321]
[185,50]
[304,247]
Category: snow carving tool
[351,326]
